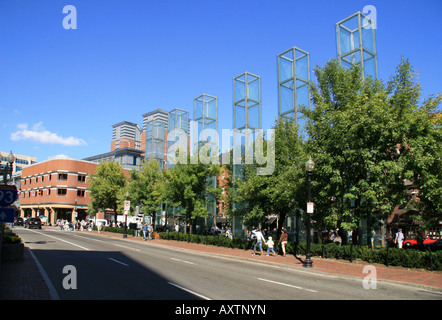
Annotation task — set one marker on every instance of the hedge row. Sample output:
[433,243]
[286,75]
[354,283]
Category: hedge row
[10,237]
[393,257]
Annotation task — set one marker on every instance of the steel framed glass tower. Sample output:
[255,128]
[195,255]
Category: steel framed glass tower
[356,42]
[247,102]
[246,120]
[178,119]
[293,82]
[205,117]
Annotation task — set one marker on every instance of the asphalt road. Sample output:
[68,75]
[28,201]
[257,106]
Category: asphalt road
[85,266]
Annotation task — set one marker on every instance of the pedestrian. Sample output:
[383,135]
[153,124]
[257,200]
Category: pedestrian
[149,230]
[259,237]
[229,233]
[283,239]
[144,228]
[399,239]
[270,245]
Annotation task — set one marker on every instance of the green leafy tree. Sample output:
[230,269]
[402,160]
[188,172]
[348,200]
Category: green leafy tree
[107,186]
[279,193]
[360,134]
[421,139]
[189,185]
[147,188]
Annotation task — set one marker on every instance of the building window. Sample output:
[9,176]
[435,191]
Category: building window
[63,176]
[62,192]
[80,193]
[49,192]
[82,178]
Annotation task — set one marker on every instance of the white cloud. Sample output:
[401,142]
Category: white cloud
[60,156]
[40,135]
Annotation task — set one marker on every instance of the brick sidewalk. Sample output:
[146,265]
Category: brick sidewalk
[21,280]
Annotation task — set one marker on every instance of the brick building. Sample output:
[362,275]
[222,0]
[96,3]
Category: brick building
[57,189]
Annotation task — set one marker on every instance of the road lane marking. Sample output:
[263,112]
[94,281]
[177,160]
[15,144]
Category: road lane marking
[52,291]
[189,291]
[182,260]
[287,285]
[107,242]
[71,243]
[124,264]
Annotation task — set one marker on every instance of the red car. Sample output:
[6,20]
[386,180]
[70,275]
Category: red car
[413,242]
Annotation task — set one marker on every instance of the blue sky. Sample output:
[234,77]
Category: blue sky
[62,90]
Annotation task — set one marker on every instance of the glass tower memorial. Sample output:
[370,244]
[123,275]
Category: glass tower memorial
[356,43]
[293,82]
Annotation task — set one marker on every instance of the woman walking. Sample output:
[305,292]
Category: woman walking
[283,241]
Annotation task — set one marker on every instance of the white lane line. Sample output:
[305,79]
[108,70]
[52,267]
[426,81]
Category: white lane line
[84,248]
[52,292]
[182,260]
[189,291]
[287,285]
[124,264]
[114,244]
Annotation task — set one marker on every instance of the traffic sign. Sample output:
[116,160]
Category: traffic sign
[8,194]
[310,206]
[6,215]
[126,205]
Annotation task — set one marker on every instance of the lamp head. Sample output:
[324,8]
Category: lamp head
[310,165]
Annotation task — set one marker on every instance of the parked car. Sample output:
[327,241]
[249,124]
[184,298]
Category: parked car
[33,223]
[18,221]
[413,242]
[436,245]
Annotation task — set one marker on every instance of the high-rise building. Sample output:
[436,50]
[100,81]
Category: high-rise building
[20,162]
[126,135]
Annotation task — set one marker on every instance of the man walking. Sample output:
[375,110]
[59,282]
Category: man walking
[144,228]
[399,239]
[259,238]
[150,230]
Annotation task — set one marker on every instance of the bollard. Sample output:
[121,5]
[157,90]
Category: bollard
[351,252]
[431,258]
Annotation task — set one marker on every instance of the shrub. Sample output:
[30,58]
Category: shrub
[396,257]
[11,238]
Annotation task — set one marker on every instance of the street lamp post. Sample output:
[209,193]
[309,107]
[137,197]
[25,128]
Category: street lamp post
[8,168]
[309,166]
[125,216]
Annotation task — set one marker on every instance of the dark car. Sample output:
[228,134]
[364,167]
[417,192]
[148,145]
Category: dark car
[18,221]
[33,223]
[436,245]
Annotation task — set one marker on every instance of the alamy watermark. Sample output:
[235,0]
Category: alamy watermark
[256,150]
[70,281]
[70,21]
[370,280]
[370,19]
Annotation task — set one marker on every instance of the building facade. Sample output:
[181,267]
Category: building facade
[20,162]
[126,135]
[56,189]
